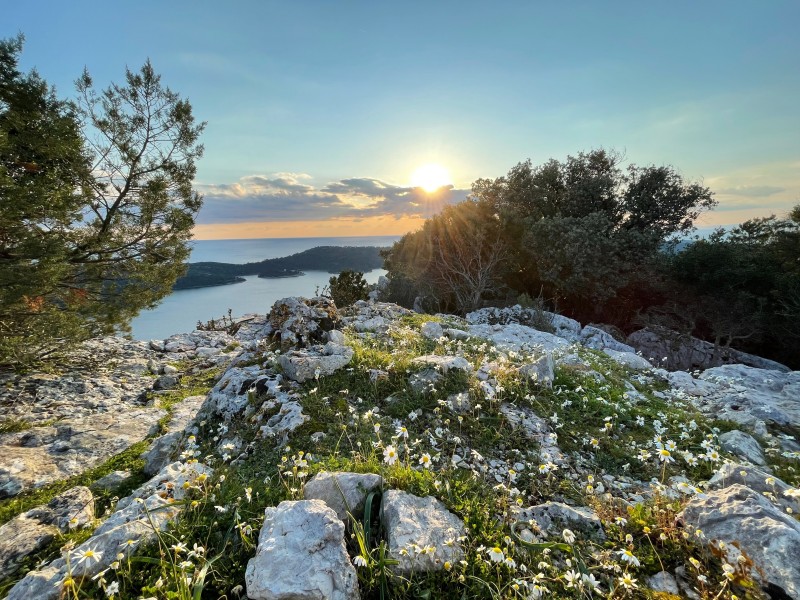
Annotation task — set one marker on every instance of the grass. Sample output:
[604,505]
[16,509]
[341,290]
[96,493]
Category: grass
[599,425]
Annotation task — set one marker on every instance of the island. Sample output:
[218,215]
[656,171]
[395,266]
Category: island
[332,259]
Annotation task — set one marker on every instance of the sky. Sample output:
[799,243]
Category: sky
[319,113]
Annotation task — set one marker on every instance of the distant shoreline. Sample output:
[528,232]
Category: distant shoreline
[333,259]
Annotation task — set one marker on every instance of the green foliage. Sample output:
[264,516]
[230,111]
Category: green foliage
[741,287]
[97,205]
[583,232]
[458,259]
[348,288]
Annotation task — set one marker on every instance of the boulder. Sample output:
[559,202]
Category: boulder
[431,330]
[518,338]
[444,363]
[628,359]
[743,445]
[551,518]
[319,361]
[111,481]
[343,492]
[301,555]
[297,321]
[421,533]
[541,371]
[677,352]
[593,337]
[749,524]
[758,480]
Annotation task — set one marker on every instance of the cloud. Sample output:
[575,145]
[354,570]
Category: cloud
[291,197]
[752,191]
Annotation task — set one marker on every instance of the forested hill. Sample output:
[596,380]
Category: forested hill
[332,259]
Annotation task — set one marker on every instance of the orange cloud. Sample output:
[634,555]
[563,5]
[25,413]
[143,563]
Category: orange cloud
[381,225]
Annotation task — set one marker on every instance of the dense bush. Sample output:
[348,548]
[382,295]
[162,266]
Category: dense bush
[349,287]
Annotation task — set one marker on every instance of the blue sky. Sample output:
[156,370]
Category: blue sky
[318,112]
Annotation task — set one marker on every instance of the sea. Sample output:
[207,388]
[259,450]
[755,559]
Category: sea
[180,311]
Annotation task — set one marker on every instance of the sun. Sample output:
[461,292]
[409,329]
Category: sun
[430,177]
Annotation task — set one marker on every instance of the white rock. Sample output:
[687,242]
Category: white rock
[431,330]
[541,371]
[663,582]
[553,517]
[756,479]
[535,429]
[742,445]
[343,492]
[412,522]
[592,337]
[629,359]
[444,363]
[748,523]
[303,365]
[301,555]
[518,337]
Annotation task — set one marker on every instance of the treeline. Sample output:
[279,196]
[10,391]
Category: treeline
[332,259]
[597,241]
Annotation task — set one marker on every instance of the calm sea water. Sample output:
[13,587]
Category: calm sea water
[180,311]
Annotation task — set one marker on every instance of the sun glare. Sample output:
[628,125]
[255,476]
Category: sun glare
[430,177]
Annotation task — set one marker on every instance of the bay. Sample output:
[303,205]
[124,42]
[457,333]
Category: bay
[180,311]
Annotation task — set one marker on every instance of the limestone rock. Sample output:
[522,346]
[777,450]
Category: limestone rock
[289,417]
[33,530]
[431,330]
[456,334]
[749,524]
[460,403]
[71,447]
[535,429]
[444,363]
[629,359]
[518,337]
[166,382]
[541,371]
[552,518]
[301,555]
[414,523]
[111,481]
[748,395]
[163,447]
[742,445]
[663,582]
[593,337]
[133,520]
[303,365]
[423,381]
[343,492]
[755,479]
[683,353]
[303,322]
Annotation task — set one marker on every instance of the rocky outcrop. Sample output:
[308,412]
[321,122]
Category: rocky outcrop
[519,338]
[751,397]
[551,518]
[676,352]
[444,364]
[35,529]
[315,362]
[301,555]
[535,429]
[421,533]
[302,322]
[180,424]
[750,525]
[139,516]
